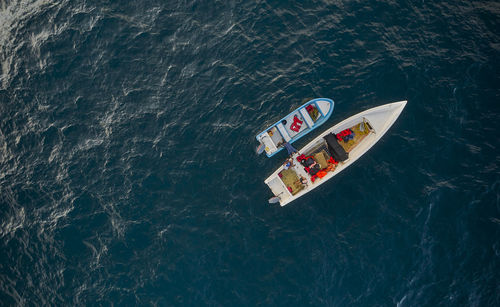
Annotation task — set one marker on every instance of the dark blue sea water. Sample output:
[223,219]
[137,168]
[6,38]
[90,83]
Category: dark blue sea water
[127,167]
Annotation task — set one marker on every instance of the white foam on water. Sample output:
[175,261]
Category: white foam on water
[12,15]
[13,222]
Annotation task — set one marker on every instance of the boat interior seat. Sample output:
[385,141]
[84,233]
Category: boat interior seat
[283,132]
[276,136]
[307,117]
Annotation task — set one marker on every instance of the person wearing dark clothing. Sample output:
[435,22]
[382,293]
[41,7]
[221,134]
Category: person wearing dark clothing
[311,166]
[289,148]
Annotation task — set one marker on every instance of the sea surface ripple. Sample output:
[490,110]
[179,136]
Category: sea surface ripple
[127,167]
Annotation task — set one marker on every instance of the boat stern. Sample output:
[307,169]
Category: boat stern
[278,188]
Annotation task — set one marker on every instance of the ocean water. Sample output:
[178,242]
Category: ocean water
[127,167]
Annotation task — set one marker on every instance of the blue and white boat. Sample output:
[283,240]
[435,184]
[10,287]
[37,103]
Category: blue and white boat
[295,125]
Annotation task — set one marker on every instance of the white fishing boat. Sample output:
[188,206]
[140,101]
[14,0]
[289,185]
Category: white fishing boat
[331,152]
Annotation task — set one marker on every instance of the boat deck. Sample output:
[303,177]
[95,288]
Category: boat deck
[291,176]
[358,136]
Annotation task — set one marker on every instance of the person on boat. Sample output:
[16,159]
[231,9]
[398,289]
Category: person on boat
[308,162]
[302,181]
[310,165]
[288,163]
[291,150]
[314,169]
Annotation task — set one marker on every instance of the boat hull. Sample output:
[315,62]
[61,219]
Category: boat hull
[380,119]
